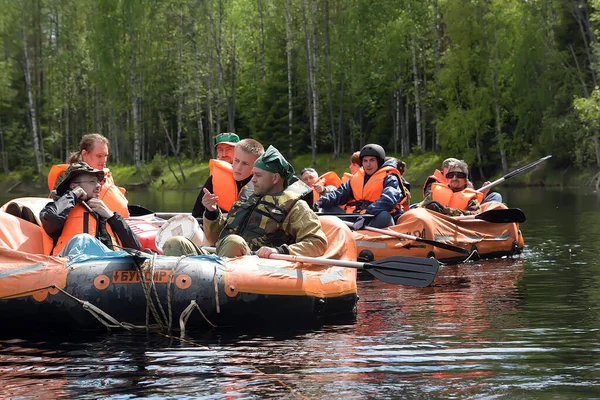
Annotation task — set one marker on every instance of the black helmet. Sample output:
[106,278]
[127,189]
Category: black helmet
[374,150]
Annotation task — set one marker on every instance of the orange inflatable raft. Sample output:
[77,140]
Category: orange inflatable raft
[91,291]
[487,239]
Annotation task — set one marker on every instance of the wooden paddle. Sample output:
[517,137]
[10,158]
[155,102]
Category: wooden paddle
[398,270]
[498,216]
[435,243]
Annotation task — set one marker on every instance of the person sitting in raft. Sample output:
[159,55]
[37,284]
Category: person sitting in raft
[325,183]
[353,167]
[236,184]
[375,189]
[221,168]
[439,177]
[272,220]
[454,198]
[93,150]
[77,209]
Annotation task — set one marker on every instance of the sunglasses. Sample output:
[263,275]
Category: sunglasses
[459,175]
[91,182]
[307,170]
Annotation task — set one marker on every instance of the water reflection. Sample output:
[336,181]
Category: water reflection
[509,328]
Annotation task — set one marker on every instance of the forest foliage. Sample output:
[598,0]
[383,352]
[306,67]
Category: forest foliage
[490,81]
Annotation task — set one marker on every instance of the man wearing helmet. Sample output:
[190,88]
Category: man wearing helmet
[375,189]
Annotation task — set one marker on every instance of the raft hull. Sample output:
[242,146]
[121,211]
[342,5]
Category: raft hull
[113,286]
[486,239]
[40,291]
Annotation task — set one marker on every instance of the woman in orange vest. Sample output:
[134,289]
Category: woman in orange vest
[77,209]
[354,166]
[374,189]
[93,150]
[454,198]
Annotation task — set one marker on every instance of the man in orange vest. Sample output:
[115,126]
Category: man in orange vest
[374,189]
[439,177]
[77,209]
[454,197]
[225,144]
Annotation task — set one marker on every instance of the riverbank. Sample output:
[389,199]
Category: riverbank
[160,175]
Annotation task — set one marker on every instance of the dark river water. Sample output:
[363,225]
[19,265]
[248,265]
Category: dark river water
[527,327]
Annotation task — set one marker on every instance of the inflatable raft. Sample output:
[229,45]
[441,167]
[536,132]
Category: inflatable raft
[478,237]
[120,289]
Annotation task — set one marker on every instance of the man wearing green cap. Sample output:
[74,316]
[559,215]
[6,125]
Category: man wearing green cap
[220,169]
[77,209]
[272,220]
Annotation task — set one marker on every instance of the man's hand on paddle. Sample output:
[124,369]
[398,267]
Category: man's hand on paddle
[486,191]
[265,252]
[209,200]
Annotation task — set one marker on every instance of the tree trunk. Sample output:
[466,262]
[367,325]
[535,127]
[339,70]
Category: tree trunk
[32,111]
[579,11]
[262,40]
[67,132]
[198,103]
[406,131]
[168,136]
[3,151]
[311,84]
[289,44]
[329,83]
[397,121]
[340,143]
[231,99]
[420,142]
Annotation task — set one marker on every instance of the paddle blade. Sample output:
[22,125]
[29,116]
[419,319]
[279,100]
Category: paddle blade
[136,210]
[402,270]
[502,216]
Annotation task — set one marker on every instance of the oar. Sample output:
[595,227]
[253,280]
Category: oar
[135,210]
[513,173]
[435,243]
[399,270]
[499,216]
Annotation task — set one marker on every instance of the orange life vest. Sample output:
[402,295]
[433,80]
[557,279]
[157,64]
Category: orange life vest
[371,191]
[445,196]
[346,177]
[437,176]
[224,184]
[327,179]
[78,221]
[112,195]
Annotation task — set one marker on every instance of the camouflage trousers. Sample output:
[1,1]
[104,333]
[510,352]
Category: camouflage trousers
[230,246]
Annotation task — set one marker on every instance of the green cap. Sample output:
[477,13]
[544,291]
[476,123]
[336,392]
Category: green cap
[64,180]
[273,161]
[227,138]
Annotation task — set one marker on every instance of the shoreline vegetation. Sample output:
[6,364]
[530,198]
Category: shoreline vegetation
[167,176]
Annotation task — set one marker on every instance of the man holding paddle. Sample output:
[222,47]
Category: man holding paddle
[454,198]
